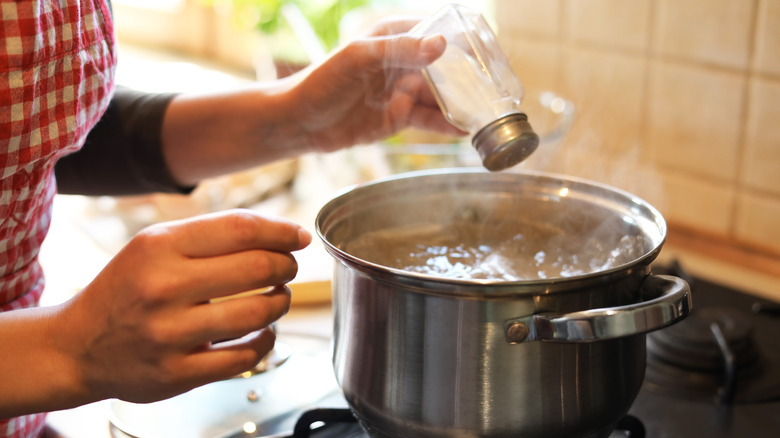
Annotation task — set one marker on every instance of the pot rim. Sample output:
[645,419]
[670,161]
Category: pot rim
[455,286]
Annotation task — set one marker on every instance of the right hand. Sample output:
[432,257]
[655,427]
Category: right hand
[370,89]
[148,326]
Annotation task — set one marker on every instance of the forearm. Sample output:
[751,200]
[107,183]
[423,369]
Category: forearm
[210,135]
[38,374]
[364,91]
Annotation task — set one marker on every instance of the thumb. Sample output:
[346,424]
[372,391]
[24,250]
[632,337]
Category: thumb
[432,47]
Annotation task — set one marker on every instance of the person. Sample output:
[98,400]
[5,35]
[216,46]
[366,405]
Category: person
[151,324]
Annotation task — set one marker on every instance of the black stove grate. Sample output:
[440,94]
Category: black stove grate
[724,351]
[341,423]
[745,397]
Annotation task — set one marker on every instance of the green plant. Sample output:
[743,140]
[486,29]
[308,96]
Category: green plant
[323,15]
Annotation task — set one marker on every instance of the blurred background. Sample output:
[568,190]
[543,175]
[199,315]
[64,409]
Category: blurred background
[675,102]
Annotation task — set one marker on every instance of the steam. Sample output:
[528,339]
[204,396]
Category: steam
[607,158]
[515,249]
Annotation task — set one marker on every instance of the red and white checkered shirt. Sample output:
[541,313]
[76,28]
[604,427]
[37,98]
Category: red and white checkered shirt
[57,64]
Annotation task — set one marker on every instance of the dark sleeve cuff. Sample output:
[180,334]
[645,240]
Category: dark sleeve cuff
[123,153]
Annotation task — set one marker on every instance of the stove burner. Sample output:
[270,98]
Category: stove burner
[692,344]
[705,353]
[329,419]
[341,423]
[721,351]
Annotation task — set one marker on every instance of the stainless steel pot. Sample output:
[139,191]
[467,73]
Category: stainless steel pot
[419,356]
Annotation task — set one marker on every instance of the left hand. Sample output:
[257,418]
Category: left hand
[150,325]
[370,89]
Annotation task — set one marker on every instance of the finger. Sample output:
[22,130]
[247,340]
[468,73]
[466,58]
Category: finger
[216,277]
[215,322]
[402,51]
[415,99]
[235,318]
[394,25]
[414,85]
[228,359]
[232,358]
[236,230]
[431,119]
[429,48]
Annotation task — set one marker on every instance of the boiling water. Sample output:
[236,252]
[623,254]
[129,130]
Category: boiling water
[468,251]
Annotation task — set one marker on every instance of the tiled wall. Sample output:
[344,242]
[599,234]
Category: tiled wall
[677,102]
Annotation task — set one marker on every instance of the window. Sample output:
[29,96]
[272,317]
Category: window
[208,29]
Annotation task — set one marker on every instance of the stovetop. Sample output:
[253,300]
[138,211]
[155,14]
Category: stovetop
[712,404]
[729,389]
[339,423]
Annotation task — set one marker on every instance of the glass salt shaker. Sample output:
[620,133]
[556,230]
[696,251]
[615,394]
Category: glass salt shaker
[476,88]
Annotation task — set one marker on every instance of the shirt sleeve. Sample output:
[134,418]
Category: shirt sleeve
[123,153]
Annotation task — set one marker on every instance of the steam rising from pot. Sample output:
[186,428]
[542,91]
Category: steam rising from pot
[474,225]
[514,250]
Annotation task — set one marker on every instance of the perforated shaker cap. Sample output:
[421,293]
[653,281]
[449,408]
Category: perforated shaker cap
[505,142]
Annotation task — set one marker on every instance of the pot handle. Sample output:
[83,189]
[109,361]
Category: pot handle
[671,303]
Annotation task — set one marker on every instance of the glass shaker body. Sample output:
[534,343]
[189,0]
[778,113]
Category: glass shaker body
[476,88]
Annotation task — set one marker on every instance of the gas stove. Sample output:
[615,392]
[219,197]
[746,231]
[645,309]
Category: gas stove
[340,423]
[716,374]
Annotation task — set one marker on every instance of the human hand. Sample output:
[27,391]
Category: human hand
[366,91]
[371,88]
[148,326]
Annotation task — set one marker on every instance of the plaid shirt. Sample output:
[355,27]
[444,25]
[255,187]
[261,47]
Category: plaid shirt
[56,77]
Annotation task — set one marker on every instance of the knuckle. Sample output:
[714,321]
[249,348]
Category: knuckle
[156,288]
[242,225]
[257,315]
[260,265]
[275,267]
[263,311]
[168,373]
[368,54]
[158,335]
[151,237]
[248,360]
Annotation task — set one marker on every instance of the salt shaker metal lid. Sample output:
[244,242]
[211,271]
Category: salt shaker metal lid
[505,142]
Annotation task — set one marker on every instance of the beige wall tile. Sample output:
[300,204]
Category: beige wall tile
[694,119]
[708,154]
[616,23]
[699,203]
[535,62]
[607,90]
[767,50]
[581,156]
[758,221]
[712,31]
[528,17]
[761,161]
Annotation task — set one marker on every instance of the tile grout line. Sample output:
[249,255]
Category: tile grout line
[744,114]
